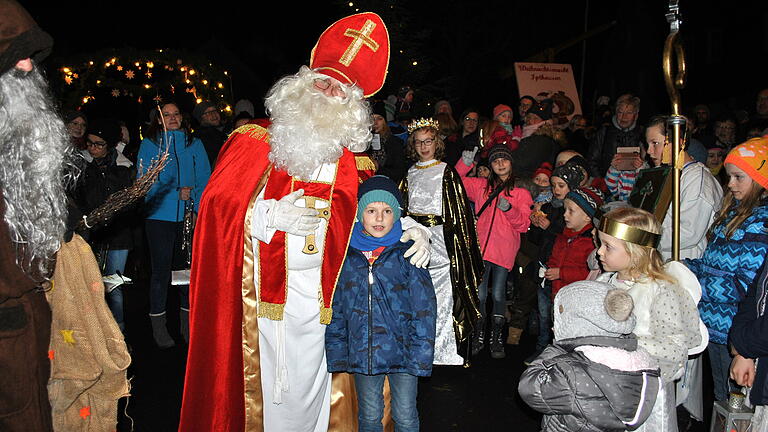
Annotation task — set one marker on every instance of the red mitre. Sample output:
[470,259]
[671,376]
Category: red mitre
[354,50]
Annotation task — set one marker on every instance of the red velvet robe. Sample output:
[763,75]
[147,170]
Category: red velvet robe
[215,388]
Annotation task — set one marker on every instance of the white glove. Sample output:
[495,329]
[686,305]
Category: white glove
[503,204]
[284,215]
[468,156]
[419,251]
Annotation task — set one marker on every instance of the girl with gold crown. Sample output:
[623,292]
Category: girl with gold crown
[665,297]
[435,197]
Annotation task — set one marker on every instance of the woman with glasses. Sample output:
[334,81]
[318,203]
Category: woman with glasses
[177,189]
[435,197]
[102,177]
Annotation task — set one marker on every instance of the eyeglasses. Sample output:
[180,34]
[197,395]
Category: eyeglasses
[470,119]
[423,143]
[324,84]
[99,144]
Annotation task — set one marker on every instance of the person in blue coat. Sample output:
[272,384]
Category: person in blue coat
[384,312]
[749,345]
[738,243]
[178,187]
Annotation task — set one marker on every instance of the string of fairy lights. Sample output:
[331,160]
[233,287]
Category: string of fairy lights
[145,77]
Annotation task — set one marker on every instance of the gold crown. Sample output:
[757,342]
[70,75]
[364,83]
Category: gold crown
[422,123]
[628,233]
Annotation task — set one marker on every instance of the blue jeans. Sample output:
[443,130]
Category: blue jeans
[545,318]
[720,359]
[496,276]
[370,401]
[116,263]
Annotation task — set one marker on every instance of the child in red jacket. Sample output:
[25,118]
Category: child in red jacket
[568,262]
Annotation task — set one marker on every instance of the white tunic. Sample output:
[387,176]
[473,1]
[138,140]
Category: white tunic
[425,196]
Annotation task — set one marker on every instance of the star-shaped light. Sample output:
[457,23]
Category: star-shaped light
[149,74]
[115,93]
[85,412]
[68,79]
[119,68]
[68,336]
[129,74]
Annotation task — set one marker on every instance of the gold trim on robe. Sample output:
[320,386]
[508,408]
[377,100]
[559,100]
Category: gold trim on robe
[254,401]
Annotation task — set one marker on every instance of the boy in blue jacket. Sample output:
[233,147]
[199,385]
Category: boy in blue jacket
[384,311]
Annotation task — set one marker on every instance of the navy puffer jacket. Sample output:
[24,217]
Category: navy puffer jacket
[383,316]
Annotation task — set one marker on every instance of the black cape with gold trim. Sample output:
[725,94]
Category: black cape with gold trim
[463,248]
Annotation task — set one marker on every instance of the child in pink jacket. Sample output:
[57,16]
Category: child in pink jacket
[503,212]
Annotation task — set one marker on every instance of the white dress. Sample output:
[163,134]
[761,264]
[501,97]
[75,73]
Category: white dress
[425,196]
[668,327]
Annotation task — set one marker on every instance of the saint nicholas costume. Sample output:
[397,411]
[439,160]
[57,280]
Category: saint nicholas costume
[259,297]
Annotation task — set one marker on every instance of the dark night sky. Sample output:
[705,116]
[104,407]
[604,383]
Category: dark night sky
[466,43]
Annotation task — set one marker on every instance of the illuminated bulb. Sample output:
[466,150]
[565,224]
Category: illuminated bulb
[401,51]
[205,82]
[225,73]
[198,100]
[188,81]
[85,100]
[357,10]
[191,71]
[98,82]
[150,65]
[183,69]
[146,86]
[66,70]
[220,85]
[90,63]
[108,64]
[351,4]
[114,59]
[415,63]
[228,108]
[136,64]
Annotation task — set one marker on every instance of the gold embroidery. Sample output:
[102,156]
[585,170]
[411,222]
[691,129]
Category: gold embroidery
[364,163]
[421,167]
[359,38]
[253,130]
[273,311]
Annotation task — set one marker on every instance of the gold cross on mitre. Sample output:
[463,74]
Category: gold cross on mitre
[360,37]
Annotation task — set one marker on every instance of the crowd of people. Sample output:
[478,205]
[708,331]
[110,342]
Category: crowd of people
[346,244]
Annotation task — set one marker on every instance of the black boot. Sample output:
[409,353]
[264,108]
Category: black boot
[160,332]
[497,339]
[478,338]
[184,324]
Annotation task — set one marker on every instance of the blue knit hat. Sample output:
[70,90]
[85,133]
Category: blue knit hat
[379,188]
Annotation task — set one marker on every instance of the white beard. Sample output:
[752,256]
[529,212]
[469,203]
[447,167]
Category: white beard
[310,129]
